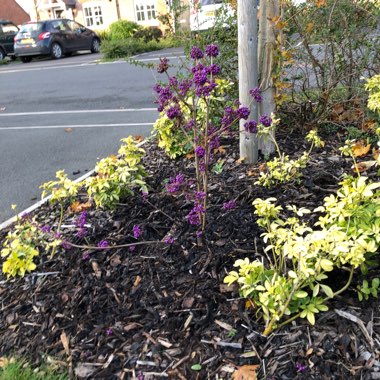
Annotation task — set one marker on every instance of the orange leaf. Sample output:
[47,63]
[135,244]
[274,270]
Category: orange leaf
[68,130]
[369,125]
[189,156]
[320,3]
[220,150]
[79,207]
[375,153]
[360,150]
[309,27]
[246,372]
[241,160]
[138,138]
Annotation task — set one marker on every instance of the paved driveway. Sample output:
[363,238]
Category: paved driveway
[67,114]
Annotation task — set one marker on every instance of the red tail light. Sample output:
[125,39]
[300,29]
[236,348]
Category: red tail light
[44,35]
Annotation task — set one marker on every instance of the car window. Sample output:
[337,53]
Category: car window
[74,26]
[31,27]
[9,28]
[58,25]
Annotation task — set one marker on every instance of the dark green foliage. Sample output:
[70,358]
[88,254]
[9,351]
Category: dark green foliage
[132,46]
[148,34]
[123,29]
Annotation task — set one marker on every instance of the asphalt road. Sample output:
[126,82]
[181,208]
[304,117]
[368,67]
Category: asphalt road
[67,114]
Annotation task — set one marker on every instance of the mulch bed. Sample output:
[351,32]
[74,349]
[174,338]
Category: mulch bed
[155,311]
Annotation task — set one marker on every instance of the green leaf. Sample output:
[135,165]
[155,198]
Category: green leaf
[300,294]
[310,317]
[196,367]
[327,265]
[328,291]
[316,290]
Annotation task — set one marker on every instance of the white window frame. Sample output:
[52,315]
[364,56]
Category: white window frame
[93,15]
[146,11]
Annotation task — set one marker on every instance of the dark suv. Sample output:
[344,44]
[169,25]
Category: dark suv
[8,30]
[55,38]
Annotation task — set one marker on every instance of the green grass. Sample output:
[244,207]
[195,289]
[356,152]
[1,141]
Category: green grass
[20,370]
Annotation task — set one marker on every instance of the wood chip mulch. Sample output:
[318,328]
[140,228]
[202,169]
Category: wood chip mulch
[155,311]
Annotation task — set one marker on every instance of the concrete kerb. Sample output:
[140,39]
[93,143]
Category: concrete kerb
[38,204]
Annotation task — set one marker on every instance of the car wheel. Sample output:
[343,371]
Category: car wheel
[56,51]
[25,59]
[95,45]
[2,54]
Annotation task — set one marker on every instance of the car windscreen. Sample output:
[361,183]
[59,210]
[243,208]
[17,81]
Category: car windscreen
[211,2]
[31,27]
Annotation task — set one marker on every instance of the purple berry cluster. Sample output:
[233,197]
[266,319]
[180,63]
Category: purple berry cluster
[175,183]
[80,223]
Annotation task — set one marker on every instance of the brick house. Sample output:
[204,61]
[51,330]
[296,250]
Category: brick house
[11,10]
[98,14]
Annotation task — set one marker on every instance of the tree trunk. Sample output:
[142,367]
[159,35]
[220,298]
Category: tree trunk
[267,46]
[248,79]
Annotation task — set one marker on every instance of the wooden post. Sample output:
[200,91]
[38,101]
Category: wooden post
[267,46]
[248,79]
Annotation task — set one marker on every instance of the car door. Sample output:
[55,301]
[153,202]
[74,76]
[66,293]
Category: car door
[80,35]
[8,34]
[62,34]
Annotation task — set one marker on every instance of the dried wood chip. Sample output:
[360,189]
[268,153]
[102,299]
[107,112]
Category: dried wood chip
[249,354]
[164,342]
[223,325]
[65,343]
[131,326]
[85,370]
[146,362]
[188,302]
[95,268]
[358,321]
[137,281]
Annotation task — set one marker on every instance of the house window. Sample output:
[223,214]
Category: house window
[93,15]
[145,10]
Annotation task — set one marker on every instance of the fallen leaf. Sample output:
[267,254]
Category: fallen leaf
[78,207]
[138,138]
[249,304]
[360,150]
[220,150]
[251,173]
[190,156]
[68,130]
[375,153]
[263,167]
[246,372]
[364,166]
[2,109]
[369,125]
[241,160]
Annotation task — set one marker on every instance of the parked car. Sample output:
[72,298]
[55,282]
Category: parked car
[8,30]
[56,38]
